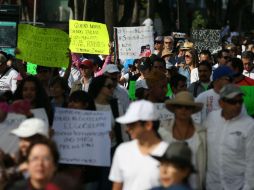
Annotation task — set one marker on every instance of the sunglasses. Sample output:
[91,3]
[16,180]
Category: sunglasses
[183,106]
[109,86]
[233,101]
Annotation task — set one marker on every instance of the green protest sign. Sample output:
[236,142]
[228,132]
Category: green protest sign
[132,90]
[31,68]
[248,98]
[43,46]
[169,93]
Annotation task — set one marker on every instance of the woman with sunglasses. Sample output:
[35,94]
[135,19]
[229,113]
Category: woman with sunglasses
[183,128]
[189,68]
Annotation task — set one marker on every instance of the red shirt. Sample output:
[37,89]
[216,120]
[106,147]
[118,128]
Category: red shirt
[246,81]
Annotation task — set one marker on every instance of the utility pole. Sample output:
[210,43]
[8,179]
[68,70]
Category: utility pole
[84,11]
[35,10]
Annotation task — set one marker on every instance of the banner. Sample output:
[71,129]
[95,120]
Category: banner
[135,42]
[206,40]
[43,46]
[8,34]
[82,137]
[88,37]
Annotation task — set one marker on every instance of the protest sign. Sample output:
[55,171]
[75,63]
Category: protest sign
[206,40]
[43,46]
[40,113]
[134,42]
[31,68]
[132,90]
[88,37]
[248,98]
[8,141]
[82,136]
[8,34]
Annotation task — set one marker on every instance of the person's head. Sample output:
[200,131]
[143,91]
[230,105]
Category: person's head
[158,43]
[178,83]
[112,71]
[58,87]
[191,57]
[86,68]
[204,71]
[157,84]
[42,160]
[159,64]
[205,55]
[43,73]
[101,86]
[3,61]
[175,164]
[231,100]
[247,58]
[81,100]
[236,65]
[166,55]
[32,90]
[223,57]
[30,130]
[221,76]
[183,105]
[145,66]
[168,42]
[141,119]
[142,90]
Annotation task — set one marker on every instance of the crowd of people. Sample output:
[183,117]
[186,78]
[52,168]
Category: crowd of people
[214,152]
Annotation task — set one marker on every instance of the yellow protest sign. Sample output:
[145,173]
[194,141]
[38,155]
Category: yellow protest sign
[88,37]
[43,46]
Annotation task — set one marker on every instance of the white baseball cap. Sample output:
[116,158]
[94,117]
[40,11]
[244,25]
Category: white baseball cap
[111,68]
[141,84]
[30,127]
[141,110]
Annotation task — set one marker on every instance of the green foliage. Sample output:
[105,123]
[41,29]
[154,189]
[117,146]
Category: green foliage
[199,22]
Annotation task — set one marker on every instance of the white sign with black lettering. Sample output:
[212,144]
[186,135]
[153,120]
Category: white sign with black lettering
[82,136]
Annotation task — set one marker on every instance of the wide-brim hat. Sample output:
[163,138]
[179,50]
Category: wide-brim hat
[187,45]
[184,98]
[166,52]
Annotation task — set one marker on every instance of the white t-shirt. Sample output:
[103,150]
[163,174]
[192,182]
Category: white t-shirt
[194,75]
[134,169]
[9,80]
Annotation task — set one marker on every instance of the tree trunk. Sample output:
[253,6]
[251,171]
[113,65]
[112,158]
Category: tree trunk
[135,14]
[128,9]
[110,16]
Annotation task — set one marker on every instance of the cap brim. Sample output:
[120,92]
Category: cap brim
[125,120]
[233,94]
[22,133]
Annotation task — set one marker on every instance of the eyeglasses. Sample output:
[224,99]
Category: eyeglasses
[233,101]
[183,106]
[109,86]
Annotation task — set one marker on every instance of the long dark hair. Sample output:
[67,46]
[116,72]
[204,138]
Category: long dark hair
[96,85]
[41,98]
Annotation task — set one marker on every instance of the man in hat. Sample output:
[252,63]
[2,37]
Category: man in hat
[86,71]
[221,77]
[8,75]
[230,143]
[183,128]
[175,167]
[112,71]
[133,168]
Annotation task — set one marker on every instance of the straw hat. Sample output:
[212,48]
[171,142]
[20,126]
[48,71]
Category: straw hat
[184,98]
[187,45]
[166,52]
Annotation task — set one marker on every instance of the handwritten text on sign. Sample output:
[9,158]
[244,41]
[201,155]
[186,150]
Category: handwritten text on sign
[132,39]
[82,137]
[88,37]
[43,46]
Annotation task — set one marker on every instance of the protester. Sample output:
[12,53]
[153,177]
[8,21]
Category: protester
[230,143]
[42,160]
[158,45]
[132,166]
[168,43]
[222,58]
[119,92]
[7,75]
[183,128]
[248,58]
[81,100]
[31,89]
[86,71]
[175,167]
[44,74]
[178,83]
[205,55]
[221,76]
[204,75]
[142,90]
